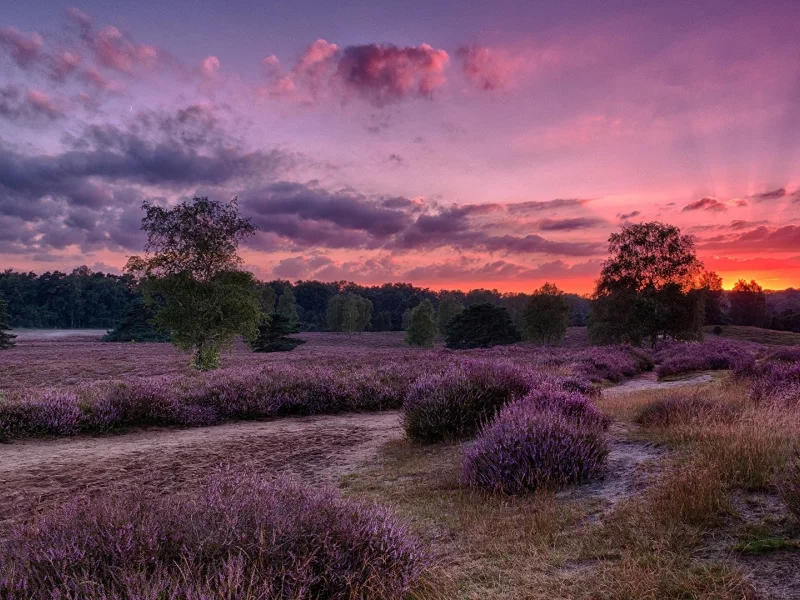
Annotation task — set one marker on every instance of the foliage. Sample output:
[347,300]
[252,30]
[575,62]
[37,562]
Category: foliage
[6,339]
[482,326]
[274,335]
[453,405]
[192,263]
[527,448]
[237,537]
[748,304]
[267,297]
[287,305]
[546,316]
[136,325]
[422,326]
[449,307]
[349,312]
[80,299]
[648,288]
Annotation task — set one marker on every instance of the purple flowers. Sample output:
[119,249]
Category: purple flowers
[677,358]
[239,537]
[534,443]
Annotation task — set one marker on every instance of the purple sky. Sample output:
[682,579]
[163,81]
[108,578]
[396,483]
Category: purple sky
[449,144]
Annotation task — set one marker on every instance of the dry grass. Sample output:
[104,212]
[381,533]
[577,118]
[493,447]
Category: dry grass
[666,540]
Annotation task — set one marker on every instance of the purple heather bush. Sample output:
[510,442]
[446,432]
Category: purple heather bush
[529,447]
[239,538]
[556,397]
[453,405]
[677,358]
[330,379]
[789,354]
[776,382]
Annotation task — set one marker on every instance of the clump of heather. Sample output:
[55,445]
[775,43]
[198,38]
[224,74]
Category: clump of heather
[785,354]
[677,358]
[789,486]
[776,381]
[683,407]
[560,398]
[453,405]
[528,448]
[239,537]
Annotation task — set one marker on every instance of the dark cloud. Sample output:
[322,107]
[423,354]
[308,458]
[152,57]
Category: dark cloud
[780,239]
[536,206]
[708,203]
[24,50]
[630,215]
[569,224]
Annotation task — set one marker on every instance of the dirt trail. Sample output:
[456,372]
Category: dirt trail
[38,473]
[649,381]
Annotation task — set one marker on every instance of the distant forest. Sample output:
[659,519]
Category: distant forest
[84,299]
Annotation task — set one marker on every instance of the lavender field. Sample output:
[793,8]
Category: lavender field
[512,472]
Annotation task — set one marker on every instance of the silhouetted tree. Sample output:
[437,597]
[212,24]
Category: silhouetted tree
[711,284]
[191,262]
[546,315]
[6,339]
[748,304]
[422,327]
[648,287]
[482,326]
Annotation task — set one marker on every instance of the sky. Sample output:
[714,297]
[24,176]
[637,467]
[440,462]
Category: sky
[449,144]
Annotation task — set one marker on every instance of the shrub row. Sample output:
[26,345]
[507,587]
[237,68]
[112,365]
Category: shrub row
[238,538]
[677,358]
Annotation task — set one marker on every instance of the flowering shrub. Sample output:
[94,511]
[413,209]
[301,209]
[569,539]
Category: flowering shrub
[335,376]
[785,354]
[776,381]
[676,358]
[453,405]
[560,398]
[240,537]
[790,487]
[527,448]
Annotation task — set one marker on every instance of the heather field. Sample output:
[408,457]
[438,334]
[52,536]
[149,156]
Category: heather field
[358,467]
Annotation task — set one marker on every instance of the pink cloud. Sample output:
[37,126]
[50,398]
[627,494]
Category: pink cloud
[24,50]
[209,67]
[489,68]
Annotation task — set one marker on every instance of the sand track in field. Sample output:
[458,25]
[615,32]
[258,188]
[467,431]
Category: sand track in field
[35,474]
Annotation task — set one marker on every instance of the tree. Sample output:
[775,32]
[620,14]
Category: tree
[449,307]
[648,288]
[6,339]
[191,263]
[546,315]
[711,284]
[287,305]
[349,312]
[422,328]
[267,299]
[482,326]
[748,304]
[274,335]
[136,325]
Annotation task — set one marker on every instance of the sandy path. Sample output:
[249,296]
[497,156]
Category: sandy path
[649,381]
[38,473]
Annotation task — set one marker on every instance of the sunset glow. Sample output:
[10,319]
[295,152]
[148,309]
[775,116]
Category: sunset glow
[494,146]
